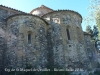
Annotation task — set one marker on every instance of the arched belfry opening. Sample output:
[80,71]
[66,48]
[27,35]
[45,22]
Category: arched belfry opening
[29,37]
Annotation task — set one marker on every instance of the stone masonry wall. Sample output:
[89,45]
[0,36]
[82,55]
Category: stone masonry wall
[67,52]
[20,51]
[91,51]
[29,39]
[4,13]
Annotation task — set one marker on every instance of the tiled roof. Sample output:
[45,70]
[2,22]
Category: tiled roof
[42,6]
[11,8]
[27,15]
[64,10]
[40,11]
[85,33]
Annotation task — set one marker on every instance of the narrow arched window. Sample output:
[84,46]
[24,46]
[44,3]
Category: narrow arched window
[68,34]
[29,38]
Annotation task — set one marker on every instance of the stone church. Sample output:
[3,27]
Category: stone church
[45,38]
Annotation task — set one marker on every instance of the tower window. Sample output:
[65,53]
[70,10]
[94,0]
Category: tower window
[29,38]
[68,35]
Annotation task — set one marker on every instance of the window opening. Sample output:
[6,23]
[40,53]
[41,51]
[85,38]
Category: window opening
[68,35]
[29,38]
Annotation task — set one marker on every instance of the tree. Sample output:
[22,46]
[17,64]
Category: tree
[89,30]
[97,17]
[90,18]
[95,33]
[93,17]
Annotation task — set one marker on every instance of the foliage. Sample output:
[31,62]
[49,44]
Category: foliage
[89,30]
[56,73]
[41,73]
[93,17]
[97,17]
[97,72]
[90,19]
[95,33]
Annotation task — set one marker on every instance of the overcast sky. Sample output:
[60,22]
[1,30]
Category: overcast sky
[27,5]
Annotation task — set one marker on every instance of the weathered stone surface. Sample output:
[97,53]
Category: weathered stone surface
[65,49]
[34,52]
[56,40]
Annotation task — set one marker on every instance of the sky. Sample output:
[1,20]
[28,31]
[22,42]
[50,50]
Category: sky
[79,6]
